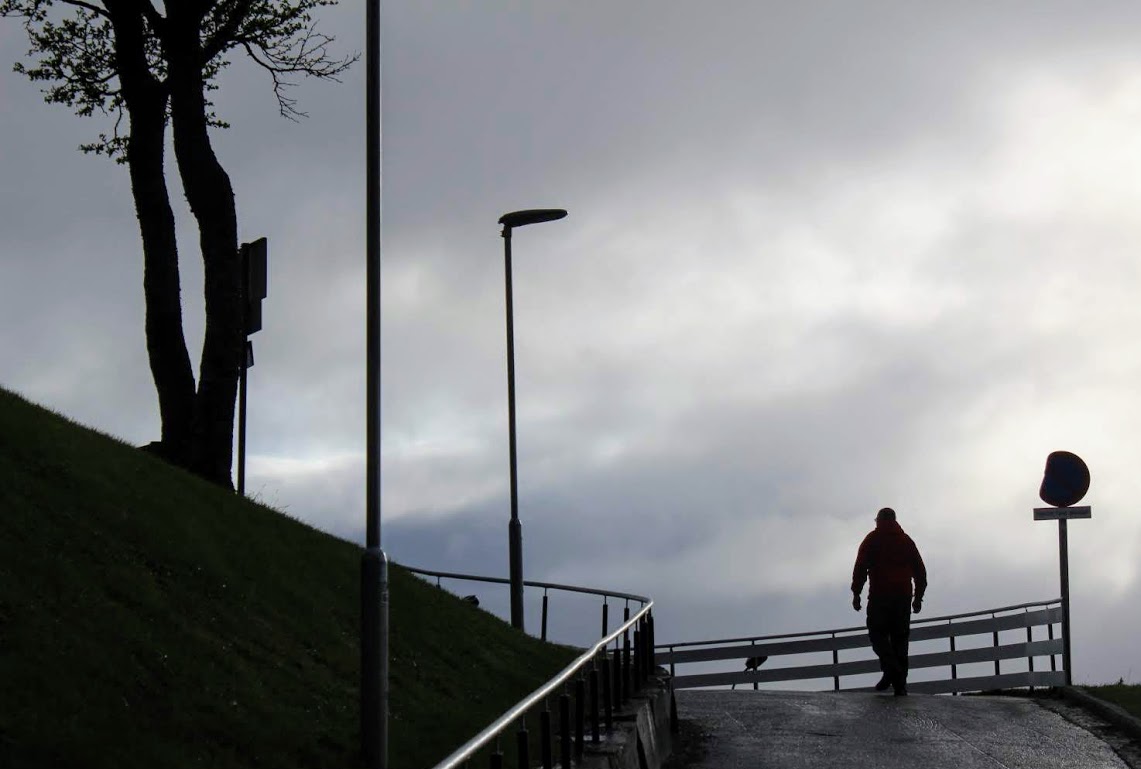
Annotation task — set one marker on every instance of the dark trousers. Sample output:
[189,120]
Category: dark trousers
[889,628]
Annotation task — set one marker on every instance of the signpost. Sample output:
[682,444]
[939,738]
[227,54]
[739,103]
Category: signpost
[254,285]
[1064,483]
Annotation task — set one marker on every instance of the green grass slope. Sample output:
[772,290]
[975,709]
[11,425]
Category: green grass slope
[150,619]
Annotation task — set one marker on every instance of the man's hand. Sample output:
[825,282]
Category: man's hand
[856,601]
[917,605]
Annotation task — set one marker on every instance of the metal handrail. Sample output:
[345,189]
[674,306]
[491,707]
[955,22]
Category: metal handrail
[547,585]
[469,748]
[855,628]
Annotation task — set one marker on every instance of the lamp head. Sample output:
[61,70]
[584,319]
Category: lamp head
[531,216]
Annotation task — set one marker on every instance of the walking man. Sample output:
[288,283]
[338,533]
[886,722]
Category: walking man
[889,561]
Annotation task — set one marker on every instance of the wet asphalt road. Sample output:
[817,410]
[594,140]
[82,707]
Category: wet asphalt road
[793,730]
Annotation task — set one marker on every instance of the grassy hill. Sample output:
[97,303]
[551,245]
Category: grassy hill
[150,619]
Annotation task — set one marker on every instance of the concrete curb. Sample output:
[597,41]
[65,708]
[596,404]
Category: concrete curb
[641,737]
[1107,710]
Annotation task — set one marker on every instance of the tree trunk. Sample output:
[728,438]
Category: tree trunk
[166,344]
[211,198]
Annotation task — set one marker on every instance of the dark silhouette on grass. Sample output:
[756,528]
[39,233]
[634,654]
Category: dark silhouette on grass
[889,560]
[752,663]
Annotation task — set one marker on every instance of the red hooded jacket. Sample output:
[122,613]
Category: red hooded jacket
[890,560]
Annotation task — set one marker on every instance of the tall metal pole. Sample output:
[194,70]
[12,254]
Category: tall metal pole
[374,563]
[1064,560]
[514,528]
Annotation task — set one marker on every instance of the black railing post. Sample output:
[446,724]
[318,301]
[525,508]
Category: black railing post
[997,670]
[619,690]
[650,643]
[579,716]
[594,725]
[564,730]
[835,661]
[545,747]
[607,693]
[636,662]
[605,618]
[1029,653]
[1053,659]
[675,726]
[496,757]
[627,683]
[522,745]
[543,634]
[954,666]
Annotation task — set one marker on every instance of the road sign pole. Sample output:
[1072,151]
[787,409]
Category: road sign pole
[1064,560]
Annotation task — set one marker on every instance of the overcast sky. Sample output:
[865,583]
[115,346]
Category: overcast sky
[821,258]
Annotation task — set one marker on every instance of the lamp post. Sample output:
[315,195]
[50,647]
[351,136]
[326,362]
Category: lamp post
[374,563]
[515,528]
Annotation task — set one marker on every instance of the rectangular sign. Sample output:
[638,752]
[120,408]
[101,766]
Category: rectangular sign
[1059,513]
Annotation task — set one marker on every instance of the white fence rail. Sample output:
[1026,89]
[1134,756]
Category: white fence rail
[990,622]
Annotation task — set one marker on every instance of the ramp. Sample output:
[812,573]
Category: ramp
[797,730]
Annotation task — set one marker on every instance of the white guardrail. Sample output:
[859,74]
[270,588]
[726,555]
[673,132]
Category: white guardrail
[988,622]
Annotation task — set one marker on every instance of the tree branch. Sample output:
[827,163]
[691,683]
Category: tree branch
[93,8]
[227,32]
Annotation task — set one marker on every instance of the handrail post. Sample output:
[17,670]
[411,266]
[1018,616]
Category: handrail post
[564,730]
[594,725]
[543,634]
[620,694]
[627,683]
[545,747]
[522,745]
[650,643]
[605,616]
[636,662]
[496,758]
[579,716]
[607,693]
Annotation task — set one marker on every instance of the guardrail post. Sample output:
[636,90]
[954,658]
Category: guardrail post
[835,661]
[522,745]
[996,666]
[594,725]
[954,666]
[564,729]
[673,671]
[496,758]
[545,747]
[579,716]
[1050,635]
[1029,654]
[605,619]
[543,634]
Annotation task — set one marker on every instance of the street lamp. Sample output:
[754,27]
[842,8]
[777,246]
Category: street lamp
[515,528]
[374,562]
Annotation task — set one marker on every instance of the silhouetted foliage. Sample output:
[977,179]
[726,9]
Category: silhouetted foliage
[127,59]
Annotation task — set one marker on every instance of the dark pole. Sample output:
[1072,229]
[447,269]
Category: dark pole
[242,420]
[514,528]
[1064,560]
[374,563]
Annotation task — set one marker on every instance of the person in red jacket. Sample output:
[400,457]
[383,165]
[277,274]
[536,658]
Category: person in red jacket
[889,560]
